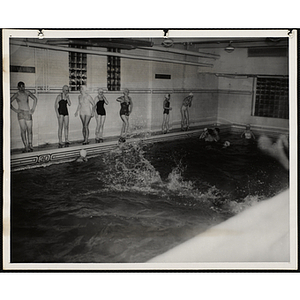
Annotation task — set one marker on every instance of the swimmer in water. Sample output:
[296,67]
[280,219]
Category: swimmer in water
[226,144]
[204,134]
[61,108]
[185,118]
[85,109]
[215,134]
[125,111]
[82,156]
[166,116]
[24,114]
[210,135]
[248,134]
[100,115]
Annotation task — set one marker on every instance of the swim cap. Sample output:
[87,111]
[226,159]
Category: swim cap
[82,153]
[191,94]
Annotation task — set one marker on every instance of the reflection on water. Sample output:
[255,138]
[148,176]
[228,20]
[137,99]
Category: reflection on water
[136,202]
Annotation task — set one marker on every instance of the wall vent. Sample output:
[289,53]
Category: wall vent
[267,52]
[162,76]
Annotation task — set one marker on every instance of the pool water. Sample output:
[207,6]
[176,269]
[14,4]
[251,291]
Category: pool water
[136,202]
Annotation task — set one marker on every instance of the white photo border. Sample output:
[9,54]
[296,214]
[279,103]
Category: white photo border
[155,33]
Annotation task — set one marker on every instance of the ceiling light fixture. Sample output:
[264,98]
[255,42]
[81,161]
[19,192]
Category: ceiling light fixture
[167,41]
[229,48]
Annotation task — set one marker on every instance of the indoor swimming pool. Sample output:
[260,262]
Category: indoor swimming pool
[136,202]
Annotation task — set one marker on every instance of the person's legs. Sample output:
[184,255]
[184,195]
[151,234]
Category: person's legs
[102,121]
[124,126]
[87,120]
[29,134]
[82,118]
[182,117]
[163,126]
[187,118]
[23,128]
[167,122]
[97,127]
[60,128]
[66,128]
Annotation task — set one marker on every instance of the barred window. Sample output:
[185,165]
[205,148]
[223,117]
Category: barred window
[113,71]
[272,97]
[77,68]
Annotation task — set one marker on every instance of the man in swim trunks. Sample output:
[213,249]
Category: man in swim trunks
[185,121]
[24,114]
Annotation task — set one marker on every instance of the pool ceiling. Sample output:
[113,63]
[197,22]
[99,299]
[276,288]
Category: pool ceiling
[198,43]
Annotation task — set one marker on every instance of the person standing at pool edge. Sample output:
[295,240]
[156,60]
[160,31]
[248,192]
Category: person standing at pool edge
[125,111]
[86,111]
[24,114]
[61,109]
[100,115]
[185,118]
[166,116]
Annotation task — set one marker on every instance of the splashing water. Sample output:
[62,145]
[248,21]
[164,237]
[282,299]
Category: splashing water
[139,128]
[128,170]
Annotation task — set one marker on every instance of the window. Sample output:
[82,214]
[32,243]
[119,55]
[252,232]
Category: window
[77,68]
[113,71]
[272,97]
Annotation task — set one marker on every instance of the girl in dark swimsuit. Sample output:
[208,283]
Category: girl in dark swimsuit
[100,115]
[125,111]
[61,109]
[166,116]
